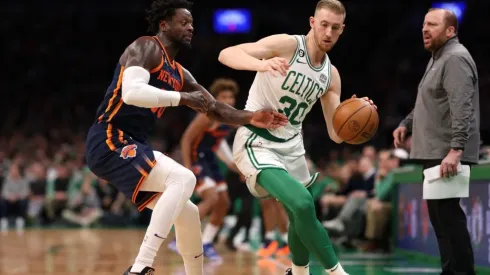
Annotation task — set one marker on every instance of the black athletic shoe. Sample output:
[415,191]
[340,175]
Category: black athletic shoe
[289,271]
[146,271]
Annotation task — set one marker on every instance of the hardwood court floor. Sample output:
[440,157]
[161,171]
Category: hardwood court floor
[110,252]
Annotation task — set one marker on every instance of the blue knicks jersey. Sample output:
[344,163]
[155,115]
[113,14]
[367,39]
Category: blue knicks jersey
[209,140]
[135,121]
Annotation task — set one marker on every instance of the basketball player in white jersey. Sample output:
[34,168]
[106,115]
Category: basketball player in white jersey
[293,72]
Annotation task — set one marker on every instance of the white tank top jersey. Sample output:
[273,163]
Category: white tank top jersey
[294,94]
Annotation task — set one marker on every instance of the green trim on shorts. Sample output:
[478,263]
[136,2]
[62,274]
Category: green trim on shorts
[312,180]
[263,133]
[251,154]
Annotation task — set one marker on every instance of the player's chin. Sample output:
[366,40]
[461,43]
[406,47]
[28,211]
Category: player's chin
[186,43]
[327,47]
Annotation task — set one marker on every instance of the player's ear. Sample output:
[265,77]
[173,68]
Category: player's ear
[312,21]
[163,25]
[450,31]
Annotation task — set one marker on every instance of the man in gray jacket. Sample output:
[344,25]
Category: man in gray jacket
[445,131]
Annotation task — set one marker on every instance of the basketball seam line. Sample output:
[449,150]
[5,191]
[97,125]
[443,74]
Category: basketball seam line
[340,129]
[335,113]
[370,114]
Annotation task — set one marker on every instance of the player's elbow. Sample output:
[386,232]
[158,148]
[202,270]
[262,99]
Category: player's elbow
[127,95]
[224,55]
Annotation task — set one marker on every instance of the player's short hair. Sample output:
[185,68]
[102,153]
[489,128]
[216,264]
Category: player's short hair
[223,84]
[449,18]
[164,10]
[333,5]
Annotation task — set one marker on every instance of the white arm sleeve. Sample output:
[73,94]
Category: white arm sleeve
[224,152]
[137,92]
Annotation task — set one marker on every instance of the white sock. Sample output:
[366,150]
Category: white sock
[180,184]
[301,270]
[284,238]
[270,235]
[189,242]
[209,233]
[336,270]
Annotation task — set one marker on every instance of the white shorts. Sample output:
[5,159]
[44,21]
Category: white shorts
[253,153]
[208,183]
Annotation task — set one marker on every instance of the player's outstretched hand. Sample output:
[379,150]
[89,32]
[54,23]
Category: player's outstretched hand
[195,100]
[367,99]
[275,65]
[268,119]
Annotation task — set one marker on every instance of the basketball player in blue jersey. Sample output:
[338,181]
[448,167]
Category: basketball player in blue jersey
[202,144]
[147,79]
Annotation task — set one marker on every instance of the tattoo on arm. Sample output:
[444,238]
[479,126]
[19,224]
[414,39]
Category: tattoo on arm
[219,111]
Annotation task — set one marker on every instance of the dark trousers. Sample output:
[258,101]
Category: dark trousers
[239,190]
[17,208]
[449,222]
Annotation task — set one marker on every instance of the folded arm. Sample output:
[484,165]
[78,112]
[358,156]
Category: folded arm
[249,56]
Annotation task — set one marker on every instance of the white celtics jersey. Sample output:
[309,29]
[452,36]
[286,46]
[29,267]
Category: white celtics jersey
[294,94]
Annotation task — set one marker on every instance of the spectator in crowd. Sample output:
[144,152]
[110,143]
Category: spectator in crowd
[13,201]
[360,182]
[36,175]
[356,197]
[378,208]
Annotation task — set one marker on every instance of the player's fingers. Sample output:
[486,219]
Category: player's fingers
[396,137]
[279,66]
[354,96]
[453,170]
[445,170]
[285,62]
[402,135]
[281,117]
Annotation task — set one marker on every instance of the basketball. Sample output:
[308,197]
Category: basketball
[355,121]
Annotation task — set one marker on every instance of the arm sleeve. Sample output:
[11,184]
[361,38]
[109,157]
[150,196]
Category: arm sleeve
[137,92]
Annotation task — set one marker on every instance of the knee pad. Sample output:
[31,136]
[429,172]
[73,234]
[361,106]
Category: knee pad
[185,177]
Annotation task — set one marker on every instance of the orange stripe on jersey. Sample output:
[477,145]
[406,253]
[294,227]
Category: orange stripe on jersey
[159,67]
[181,72]
[108,141]
[149,162]
[114,112]
[114,95]
[143,205]
[121,138]
[137,189]
[171,62]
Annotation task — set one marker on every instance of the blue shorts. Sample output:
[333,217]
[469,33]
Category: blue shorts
[206,165]
[125,163]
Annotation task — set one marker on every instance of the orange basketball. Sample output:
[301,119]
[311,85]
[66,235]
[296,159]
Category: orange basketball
[355,121]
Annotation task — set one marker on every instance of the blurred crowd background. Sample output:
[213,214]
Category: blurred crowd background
[60,57]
